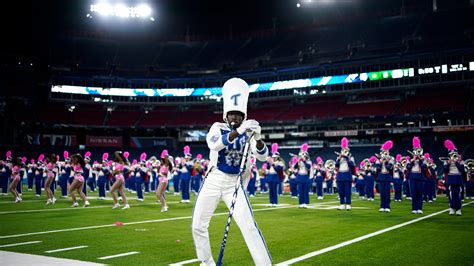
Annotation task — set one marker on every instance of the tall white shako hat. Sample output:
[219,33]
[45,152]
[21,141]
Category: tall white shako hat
[235,94]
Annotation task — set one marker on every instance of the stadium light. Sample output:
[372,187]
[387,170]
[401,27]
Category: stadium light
[121,10]
[298,5]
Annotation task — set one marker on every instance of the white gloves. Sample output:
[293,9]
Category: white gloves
[249,125]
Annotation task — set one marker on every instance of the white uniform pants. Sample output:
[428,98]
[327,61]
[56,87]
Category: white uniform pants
[219,185]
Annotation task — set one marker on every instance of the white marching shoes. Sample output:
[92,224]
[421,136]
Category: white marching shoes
[458,212]
[342,207]
[86,204]
[75,204]
[451,211]
[115,206]
[348,207]
[126,206]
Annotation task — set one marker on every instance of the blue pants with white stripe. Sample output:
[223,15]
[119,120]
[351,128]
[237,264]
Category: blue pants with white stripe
[455,197]
[344,189]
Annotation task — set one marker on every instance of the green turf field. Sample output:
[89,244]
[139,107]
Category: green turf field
[290,232]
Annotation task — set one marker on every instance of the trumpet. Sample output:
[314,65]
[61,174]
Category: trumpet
[454,157]
[344,152]
[367,164]
[330,165]
[469,165]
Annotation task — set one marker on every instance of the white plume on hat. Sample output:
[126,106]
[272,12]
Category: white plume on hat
[235,94]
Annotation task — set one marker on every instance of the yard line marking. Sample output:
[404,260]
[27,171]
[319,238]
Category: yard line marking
[19,244]
[64,249]
[130,223]
[79,208]
[184,262]
[14,258]
[118,255]
[358,239]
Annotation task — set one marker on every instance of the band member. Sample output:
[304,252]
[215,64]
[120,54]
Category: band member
[140,176]
[176,175]
[30,174]
[103,175]
[384,167]
[331,173]
[50,176]
[15,168]
[251,187]
[469,165]
[64,173]
[406,182]
[39,174]
[185,175]
[429,179]
[398,178]
[262,178]
[292,177]
[345,168]
[369,172]
[119,168]
[19,186]
[416,168]
[303,181]
[360,182]
[226,142]
[197,173]
[319,177]
[454,171]
[5,173]
[275,170]
[165,168]
[77,184]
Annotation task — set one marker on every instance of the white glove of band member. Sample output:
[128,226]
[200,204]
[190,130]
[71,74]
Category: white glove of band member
[250,125]
[258,135]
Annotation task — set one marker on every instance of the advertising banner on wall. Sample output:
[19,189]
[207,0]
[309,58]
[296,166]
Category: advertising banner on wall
[51,140]
[103,141]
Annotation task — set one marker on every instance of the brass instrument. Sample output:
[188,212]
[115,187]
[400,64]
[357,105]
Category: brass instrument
[454,157]
[367,164]
[417,152]
[330,165]
[344,152]
[469,163]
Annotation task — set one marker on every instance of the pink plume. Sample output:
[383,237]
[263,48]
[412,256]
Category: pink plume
[9,154]
[357,169]
[294,160]
[431,160]
[164,153]
[304,147]
[148,164]
[23,160]
[387,145]
[344,143]
[40,158]
[186,149]
[274,147]
[449,145]
[416,143]
[105,156]
[426,156]
[407,158]
[88,154]
[95,162]
[32,161]
[398,158]
[57,158]
[361,164]
[143,156]
[319,160]
[134,161]
[66,155]
[373,159]
[126,154]
[176,160]
[199,156]
[264,166]
[109,163]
